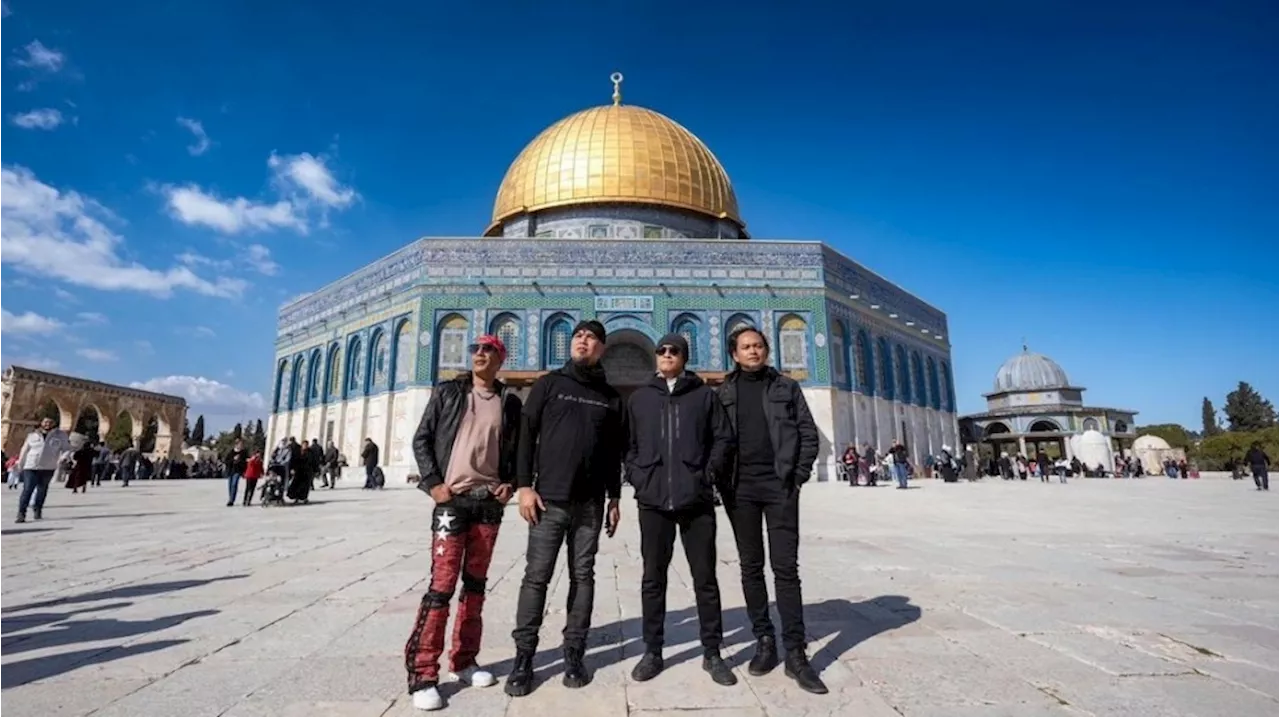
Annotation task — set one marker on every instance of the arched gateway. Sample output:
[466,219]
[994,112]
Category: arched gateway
[89,407]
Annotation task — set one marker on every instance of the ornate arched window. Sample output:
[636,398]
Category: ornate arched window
[316,368]
[282,370]
[379,360]
[840,355]
[950,386]
[884,357]
[558,341]
[334,387]
[403,358]
[1090,424]
[736,323]
[687,327]
[903,373]
[793,343]
[297,394]
[917,379]
[355,366]
[507,328]
[864,360]
[454,335]
[935,391]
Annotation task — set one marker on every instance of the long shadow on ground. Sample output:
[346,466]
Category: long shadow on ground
[121,593]
[39,668]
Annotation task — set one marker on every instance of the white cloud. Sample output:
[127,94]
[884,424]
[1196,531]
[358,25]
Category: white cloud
[303,181]
[144,346]
[99,355]
[46,119]
[191,258]
[64,295]
[202,140]
[28,323]
[259,257]
[92,317]
[205,332]
[40,57]
[62,235]
[208,397]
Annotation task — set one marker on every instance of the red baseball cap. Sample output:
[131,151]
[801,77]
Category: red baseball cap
[495,343]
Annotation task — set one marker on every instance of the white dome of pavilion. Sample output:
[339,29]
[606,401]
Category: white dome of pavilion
[1029,372]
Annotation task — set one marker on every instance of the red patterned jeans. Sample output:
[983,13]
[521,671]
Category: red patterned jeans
[464,532]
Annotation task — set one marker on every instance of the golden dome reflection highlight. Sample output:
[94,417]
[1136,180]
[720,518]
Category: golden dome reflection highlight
[611,154]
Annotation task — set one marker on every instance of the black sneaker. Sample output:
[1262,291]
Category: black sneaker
[22,518]
[720,673]
[575,673]
[520,681]
[766,657]
[649,667]
[39,514]
[798,668]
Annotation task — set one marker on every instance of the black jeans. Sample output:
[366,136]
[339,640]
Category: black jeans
[1260,478]
[657,539]
[782,518]
[578,526]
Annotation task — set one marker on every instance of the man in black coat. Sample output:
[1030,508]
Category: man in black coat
[680,442]
[572,437]
[777,445]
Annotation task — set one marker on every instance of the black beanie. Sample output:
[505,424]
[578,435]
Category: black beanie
[677,341]
[593,326]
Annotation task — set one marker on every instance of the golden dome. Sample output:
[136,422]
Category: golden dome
[615,153]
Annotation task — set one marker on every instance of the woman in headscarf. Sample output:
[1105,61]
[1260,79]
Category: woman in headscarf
[81,466]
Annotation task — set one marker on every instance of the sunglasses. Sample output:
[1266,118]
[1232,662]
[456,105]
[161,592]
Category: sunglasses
[667,351]
[481,349]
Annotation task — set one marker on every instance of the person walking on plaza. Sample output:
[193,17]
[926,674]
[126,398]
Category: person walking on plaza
[900,464]
[1259,463]
[235,461]
[130,457]
[252,472]
[465,447]
[331,459]
[38,459]
[777,446]
[369,458]
[572,436]
[680,443]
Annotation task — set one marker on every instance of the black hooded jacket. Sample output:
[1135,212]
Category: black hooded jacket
[681,443]
[572,436]
[433,441]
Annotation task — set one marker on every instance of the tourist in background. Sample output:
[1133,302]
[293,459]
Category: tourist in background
[465,447]
[252,472]
[81,467]
[1259,463]
[13,472]
[777,446]
[39,457]
[236,460]
[331,468]
[680,443]
[129,459]
[572,438]
[901,463]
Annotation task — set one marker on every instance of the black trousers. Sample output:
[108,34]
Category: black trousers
[781,519]
[578,526]
[1260,478]
[697,528]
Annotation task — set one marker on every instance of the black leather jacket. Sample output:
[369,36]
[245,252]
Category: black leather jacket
[791,427]
[433,441]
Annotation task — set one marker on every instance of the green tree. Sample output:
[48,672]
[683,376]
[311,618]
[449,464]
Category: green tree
[147,439]
[120,436]
[197,433]
[1215,451]
[186,431]
[1209,418]
[1173,434]
[259,437]
[1247,410]
[238,432]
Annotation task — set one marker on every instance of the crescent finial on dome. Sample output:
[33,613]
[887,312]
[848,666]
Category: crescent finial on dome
[616,78]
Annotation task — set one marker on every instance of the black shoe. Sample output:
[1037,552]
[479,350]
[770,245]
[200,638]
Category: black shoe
[520,681]
[649,667]
[39,514]
[22,518]
[798,668]
[720,673]
[766,657]
[230,503]
[575,673]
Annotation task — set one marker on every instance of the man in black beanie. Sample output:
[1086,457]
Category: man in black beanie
[569,460]
[680,443]
[777,445]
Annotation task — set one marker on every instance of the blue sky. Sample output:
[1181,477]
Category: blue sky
[1098,178]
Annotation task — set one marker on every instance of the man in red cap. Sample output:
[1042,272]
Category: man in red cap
[466,452]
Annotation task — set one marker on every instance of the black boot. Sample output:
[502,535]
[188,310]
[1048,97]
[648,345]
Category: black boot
[798,668]
[575,673]
[766,657]
[720,673]
[39,514]
[649,667]
[520,681]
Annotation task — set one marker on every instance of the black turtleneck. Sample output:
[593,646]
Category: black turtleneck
[755,448]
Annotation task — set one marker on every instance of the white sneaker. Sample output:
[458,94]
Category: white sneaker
[428,699]
[475,677]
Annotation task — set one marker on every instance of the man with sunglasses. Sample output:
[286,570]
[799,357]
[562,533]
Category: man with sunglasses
[465,447]
[680,442]
[777,445]
[570,459]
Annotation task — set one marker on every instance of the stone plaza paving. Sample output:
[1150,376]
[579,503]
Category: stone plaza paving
[1101,597]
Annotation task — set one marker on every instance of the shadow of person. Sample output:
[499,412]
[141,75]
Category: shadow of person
[841,623]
